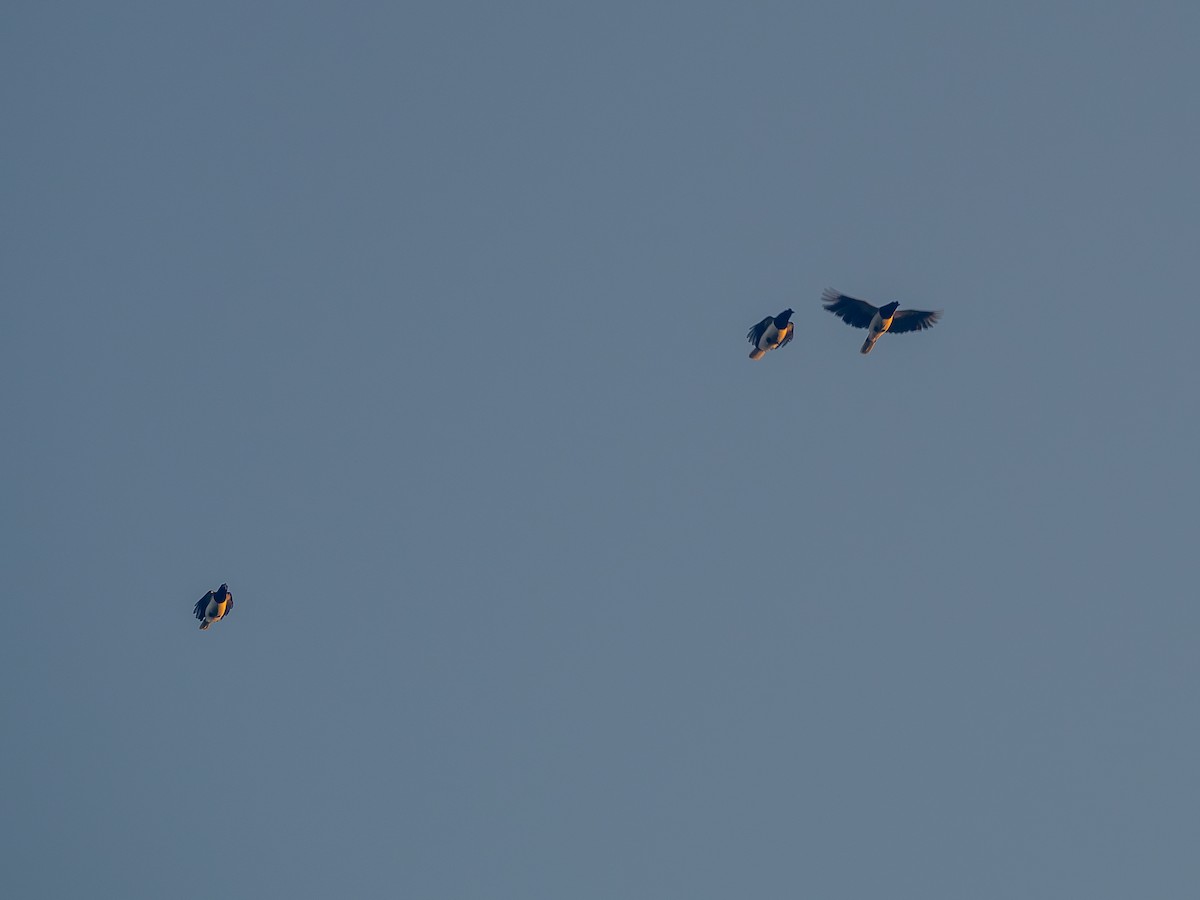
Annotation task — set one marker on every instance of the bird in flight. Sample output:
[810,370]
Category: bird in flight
[889,318]
[213,606]
[770,334]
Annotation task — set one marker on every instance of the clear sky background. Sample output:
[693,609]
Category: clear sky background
[423,326]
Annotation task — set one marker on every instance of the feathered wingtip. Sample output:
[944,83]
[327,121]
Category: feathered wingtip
[829,295]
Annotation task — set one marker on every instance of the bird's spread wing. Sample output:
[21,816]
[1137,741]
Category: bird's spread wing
[202,605]
[858,313]
[228,603]
[787,336]
[913,320]
[757,331]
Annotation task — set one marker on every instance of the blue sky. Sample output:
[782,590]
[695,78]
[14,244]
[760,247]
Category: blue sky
[423,327]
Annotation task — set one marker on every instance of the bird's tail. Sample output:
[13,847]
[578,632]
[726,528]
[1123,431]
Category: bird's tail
[204,625]
[757,354]
[867,345]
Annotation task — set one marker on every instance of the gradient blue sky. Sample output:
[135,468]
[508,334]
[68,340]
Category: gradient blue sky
[423,326]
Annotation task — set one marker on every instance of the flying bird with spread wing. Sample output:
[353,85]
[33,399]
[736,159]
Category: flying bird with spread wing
[213,606]
[771,333]
[878,320]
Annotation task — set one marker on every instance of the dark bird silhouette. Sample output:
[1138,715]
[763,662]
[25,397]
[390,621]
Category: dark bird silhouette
[214,606]
[886,319]
[771,333]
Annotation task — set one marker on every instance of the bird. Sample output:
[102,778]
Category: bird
[877,320]
[771,333]
[214,606]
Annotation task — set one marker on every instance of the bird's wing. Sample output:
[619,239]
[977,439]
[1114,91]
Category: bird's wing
[787,336]
[202,605]
[228,603]
[913,320]
[757,331]
[858,313]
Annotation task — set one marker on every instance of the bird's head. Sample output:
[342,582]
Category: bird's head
[223,590]
[782,318]
[889,309]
